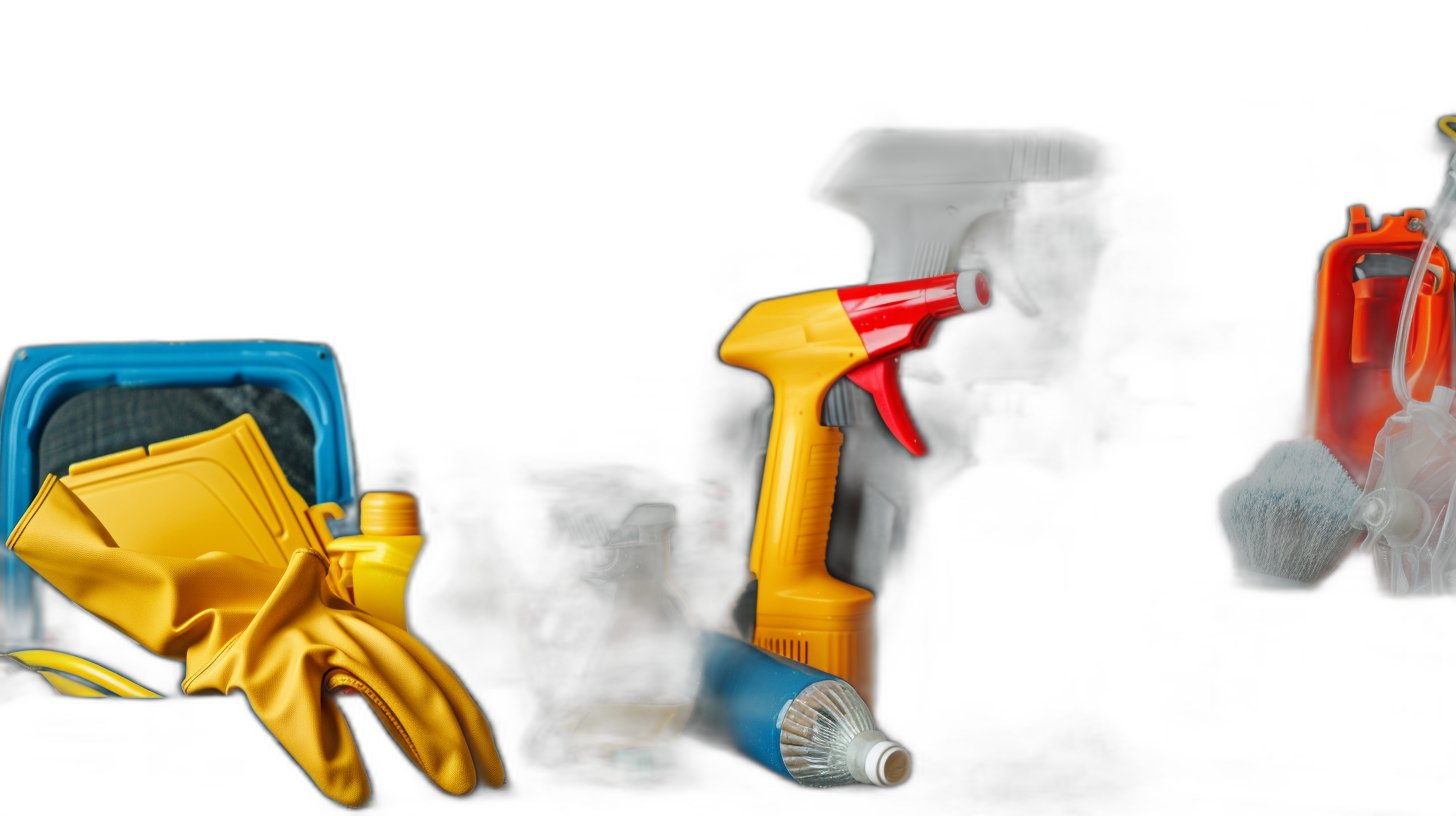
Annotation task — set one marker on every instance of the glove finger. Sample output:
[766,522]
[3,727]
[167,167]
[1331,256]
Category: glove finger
[467,713]
[408,698]
[281,663]
[307,722]
[410,705]
[364,656]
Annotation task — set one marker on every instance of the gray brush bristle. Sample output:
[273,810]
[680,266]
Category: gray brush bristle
[1288,518]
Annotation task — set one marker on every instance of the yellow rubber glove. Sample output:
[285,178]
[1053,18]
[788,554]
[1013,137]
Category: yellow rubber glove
[279,635]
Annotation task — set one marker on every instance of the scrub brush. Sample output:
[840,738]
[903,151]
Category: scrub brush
[1289,519]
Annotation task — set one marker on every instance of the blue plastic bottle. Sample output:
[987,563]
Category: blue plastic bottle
[801,722]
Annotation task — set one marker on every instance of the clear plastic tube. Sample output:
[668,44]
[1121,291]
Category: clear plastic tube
[1437,220]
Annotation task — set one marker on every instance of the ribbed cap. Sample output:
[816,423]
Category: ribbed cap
[874,760]
[888,764]
[389,514]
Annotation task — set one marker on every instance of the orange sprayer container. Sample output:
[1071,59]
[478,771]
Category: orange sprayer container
[1356,317]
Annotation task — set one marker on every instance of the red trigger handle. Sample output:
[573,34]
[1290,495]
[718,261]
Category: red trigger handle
[882,379]
[893,318]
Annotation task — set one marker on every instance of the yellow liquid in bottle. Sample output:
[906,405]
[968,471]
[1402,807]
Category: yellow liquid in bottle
[600,727]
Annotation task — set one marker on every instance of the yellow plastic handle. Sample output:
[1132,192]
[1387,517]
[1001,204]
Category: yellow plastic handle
[803,343]
[67,686]
[799,476]
[47,662]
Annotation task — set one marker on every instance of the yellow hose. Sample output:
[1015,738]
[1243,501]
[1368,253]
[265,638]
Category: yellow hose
[42,660]
[66,687]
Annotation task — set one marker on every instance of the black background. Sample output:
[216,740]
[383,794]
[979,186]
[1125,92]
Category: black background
[549,270]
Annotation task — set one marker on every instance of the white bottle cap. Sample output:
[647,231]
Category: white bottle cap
[875,760]
[973,291]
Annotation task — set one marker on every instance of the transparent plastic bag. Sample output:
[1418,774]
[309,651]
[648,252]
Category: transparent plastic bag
[1443,561]
[1405,509]
[629,678]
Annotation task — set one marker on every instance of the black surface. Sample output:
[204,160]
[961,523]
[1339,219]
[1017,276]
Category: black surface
[551,274]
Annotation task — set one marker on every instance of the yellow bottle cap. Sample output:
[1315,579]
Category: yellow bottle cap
[389,514]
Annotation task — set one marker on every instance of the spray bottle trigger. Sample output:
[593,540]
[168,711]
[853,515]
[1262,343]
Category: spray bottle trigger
[882,379]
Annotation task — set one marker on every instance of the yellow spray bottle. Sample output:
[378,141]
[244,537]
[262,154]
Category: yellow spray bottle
[803,344]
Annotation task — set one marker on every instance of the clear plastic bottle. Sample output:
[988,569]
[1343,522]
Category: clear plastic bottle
[613,656]
[709,571]
[1406,507]
[1410,491]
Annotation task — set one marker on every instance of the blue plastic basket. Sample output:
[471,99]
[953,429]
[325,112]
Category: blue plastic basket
[41,378]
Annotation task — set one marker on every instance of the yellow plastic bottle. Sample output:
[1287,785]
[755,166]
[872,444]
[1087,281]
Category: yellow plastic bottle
[376,564]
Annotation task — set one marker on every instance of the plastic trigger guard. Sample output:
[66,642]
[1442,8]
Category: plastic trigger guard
[882,379]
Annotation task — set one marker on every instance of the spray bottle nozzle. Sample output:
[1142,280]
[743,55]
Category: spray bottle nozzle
[892,318]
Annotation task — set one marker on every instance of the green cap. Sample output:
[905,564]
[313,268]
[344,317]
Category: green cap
[650,764]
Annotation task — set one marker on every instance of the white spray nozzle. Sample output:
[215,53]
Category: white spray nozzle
[875,760]
[1398,516]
